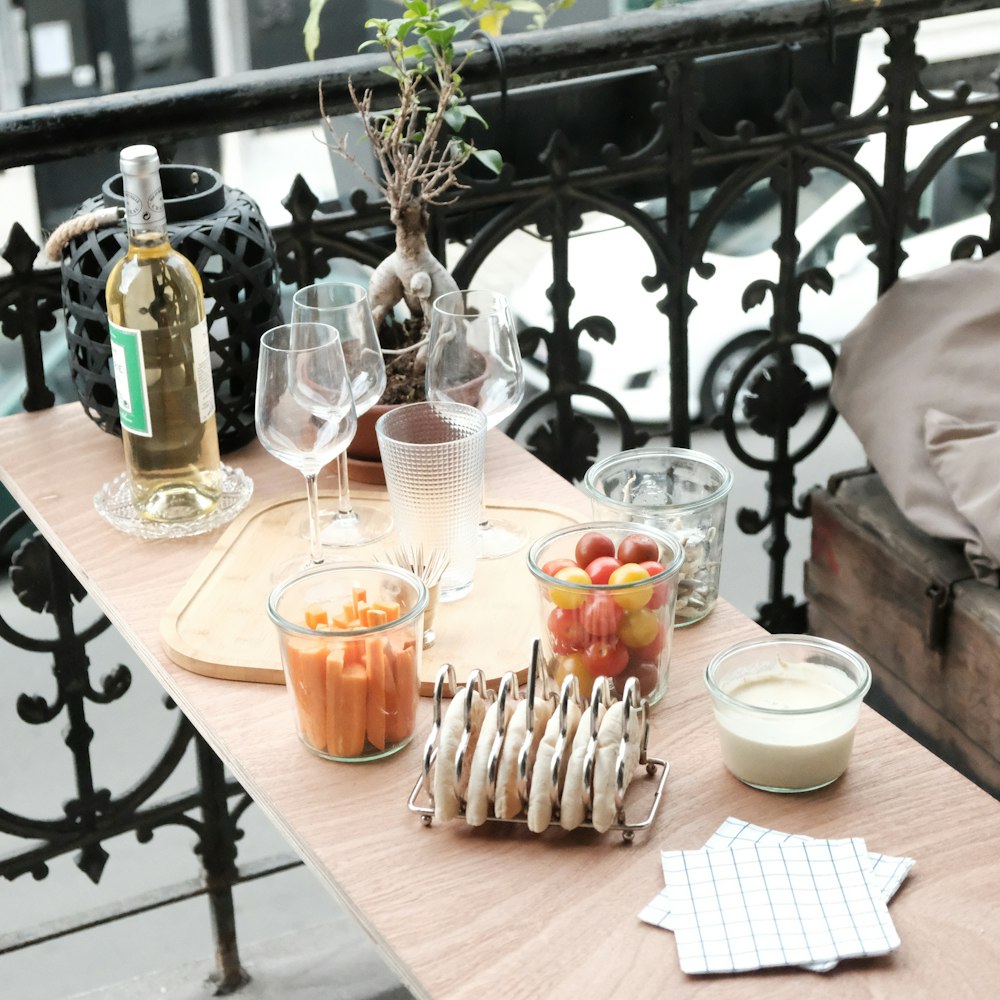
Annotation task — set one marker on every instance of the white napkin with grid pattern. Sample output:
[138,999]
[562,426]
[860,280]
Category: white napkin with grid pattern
[755,898]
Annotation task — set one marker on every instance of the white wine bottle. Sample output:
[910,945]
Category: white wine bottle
[161,358]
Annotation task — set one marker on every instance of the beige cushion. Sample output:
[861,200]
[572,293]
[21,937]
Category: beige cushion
[918,383]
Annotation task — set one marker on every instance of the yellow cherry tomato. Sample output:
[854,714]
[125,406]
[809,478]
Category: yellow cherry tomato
[638,628]
[634,597]
[575,664]
[566,597]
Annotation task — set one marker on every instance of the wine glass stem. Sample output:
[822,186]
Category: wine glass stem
[312,500]
[345,510]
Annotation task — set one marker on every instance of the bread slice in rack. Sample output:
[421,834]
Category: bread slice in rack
[540,789]
[609,745]
[572,811]
[481,793]
[508,803]
[449,787]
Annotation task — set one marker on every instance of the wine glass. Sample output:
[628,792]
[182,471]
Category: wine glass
[304,411]
[345,306]
[473,357]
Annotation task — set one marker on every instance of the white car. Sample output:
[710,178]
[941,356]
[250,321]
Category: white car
[608,262]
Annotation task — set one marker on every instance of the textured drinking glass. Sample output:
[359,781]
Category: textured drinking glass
[434,456]
[350,649]
[677,490]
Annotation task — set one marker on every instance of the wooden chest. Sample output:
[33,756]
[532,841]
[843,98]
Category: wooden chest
[909,605]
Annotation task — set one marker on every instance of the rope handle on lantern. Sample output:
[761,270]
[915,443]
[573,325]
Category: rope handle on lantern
[79,225]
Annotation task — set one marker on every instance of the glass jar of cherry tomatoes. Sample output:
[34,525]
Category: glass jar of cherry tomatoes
[607,592]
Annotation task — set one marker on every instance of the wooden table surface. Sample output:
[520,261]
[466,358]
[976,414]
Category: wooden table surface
[498,911]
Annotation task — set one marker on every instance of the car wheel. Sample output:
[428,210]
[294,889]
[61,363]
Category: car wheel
[720,372]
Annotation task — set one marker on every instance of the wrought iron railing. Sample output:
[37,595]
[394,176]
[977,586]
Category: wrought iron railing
[691,162]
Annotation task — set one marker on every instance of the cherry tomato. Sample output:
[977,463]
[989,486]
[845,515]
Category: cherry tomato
[606,657]
[637,548]
[645,672]
[601,615]
[635,597]
[575,664]
[638,628]
[652,649]
[554,565]
[600,569]
[591,545]
[565,597]
[566,630]
[660,590]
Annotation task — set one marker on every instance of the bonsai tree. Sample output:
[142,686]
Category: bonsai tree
[416,144]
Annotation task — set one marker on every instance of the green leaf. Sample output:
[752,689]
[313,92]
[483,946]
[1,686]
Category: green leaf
[489,158]
[392,71]
[455,119]
[310,30]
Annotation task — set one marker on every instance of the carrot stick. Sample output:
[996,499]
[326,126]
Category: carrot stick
[407,690]
[375,661]
[316,615]
[391,609]
[358,596]
[345,714]
[305,660]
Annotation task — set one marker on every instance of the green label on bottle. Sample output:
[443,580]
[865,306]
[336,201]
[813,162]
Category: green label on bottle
[130,380]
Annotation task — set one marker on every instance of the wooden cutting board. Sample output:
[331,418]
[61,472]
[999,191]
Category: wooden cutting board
[218,625]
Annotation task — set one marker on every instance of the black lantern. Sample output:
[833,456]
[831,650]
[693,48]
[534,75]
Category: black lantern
[221,231]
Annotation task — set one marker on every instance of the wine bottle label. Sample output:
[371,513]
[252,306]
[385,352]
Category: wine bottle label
[130,379]
[202,355]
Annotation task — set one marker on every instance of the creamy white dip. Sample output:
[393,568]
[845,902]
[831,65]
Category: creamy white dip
[791,752]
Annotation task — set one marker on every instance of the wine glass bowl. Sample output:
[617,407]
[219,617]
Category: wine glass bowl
[304,410]
[345,306]
[473,357]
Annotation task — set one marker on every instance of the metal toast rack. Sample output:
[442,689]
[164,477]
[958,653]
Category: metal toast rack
[539,685]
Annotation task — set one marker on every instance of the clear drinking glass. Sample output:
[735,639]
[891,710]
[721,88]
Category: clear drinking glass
[434,454]
[473,357]
[304,411]
[344,306]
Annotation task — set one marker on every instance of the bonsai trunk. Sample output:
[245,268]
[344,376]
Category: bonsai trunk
[411,273]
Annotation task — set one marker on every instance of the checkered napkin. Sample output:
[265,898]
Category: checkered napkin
[755,898]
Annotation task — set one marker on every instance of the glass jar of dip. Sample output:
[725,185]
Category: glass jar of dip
[786,709]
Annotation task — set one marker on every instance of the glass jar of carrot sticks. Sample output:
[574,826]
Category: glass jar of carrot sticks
[351,642]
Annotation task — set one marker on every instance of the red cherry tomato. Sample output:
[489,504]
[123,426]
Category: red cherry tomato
[600,569]
[606,657]
[661,590]
[554,565]
[601,615]
[637,549]
[591,546]
[566,630]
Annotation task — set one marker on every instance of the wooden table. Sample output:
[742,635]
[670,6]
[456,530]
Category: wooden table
[498,911]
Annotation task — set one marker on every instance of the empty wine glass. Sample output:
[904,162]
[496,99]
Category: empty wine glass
[344,305]
[473,357]
[304,411]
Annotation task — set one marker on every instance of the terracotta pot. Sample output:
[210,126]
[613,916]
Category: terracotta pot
[364,447]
